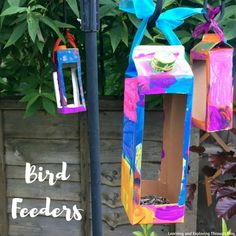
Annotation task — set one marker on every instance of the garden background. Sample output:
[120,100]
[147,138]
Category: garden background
[28,32]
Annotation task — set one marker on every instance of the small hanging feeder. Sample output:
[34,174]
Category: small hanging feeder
[212,63]
[68,58]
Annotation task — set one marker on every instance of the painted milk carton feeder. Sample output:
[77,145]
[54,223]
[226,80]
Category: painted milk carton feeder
[68,58]
[160,70]
[212,62]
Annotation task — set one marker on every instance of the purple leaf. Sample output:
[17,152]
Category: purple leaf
[226,207]
[215,186]
[226,191]
[229,167]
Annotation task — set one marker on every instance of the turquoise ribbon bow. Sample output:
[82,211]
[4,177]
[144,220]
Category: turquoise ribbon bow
[166,23]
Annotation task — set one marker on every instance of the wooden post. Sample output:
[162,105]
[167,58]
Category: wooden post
[3,191]
[84,173]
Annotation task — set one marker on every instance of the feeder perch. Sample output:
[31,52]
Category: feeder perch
[212,62]
[68,58]
[176,85]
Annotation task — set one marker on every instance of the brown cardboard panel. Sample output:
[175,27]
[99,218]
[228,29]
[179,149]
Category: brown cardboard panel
[168,185]
[173,136]
[200,90]
[153,187]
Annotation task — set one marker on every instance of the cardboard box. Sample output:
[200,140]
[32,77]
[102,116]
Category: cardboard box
[177,87]
[212,63]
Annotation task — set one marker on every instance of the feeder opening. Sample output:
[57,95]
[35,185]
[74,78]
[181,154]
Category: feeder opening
[165,187]
[200,89]
[72,93]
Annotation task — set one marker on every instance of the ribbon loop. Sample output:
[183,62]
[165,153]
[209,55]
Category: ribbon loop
[212,24]
[71,40]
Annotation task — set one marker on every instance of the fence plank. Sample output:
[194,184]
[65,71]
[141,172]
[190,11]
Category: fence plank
[61,191]
[112,123]
[3,195]
[41,126]
[41,226]
[20,151]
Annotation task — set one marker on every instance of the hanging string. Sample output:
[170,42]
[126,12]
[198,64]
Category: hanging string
[64,11]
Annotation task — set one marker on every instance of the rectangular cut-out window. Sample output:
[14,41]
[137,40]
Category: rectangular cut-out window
[152,140]
[70,74]
[200,90]
[168,184]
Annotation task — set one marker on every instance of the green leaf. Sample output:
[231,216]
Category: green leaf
[33,26]
[144,227]
[49,106]
[104,2]
[32,109]
[137,233]
[40,45]
[49,22]
[224,227]
[153,234]
[28,97]
[230,11]
[50,96]
[125,34]
[136,23]
[167,3]
[60,24]
[15,3]
[118,33]
[20,18]
[32,101]
[35,7]
[74,7]
[40,36]
[16,34]
[229,29]
[13,10]
[108,10]
[5,6]
[149,226]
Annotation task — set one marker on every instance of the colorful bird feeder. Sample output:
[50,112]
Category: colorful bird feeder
[160,70]
[212,62]
[64,59]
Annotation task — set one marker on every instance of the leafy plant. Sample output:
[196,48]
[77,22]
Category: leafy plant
[146,231]
[224,191]
[28,31]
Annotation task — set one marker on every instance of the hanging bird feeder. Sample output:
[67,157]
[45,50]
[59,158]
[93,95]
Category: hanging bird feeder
[68,59]
[212,62]
[156,70]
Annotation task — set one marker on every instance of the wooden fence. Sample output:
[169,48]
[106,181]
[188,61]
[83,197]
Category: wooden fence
[48,141]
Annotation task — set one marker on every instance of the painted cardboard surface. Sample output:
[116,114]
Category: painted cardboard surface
[177,88]
[213,87]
